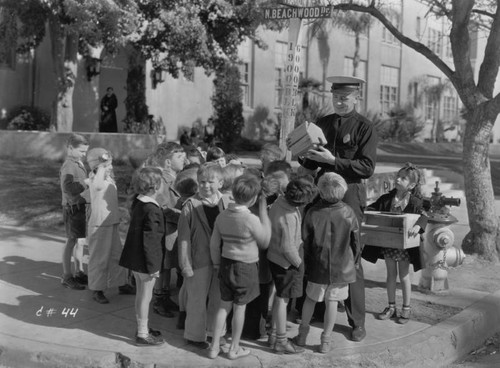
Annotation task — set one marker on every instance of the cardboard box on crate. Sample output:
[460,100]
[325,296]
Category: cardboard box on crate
[389,230]
[305,137]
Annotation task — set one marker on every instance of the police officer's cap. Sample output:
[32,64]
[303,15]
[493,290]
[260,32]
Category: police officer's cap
[344,84]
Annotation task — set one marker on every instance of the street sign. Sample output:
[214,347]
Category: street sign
[302,12]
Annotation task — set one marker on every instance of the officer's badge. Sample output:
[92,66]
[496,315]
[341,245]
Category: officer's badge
[346,138]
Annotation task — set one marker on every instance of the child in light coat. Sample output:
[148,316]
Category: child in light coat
[105,246]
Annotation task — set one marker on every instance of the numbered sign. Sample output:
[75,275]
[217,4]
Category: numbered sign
[292,76]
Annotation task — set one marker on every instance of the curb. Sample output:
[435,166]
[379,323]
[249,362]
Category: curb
[16,352]
[438,345]
[435,346]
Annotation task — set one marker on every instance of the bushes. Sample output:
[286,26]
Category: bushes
[26,118]
[149,125]
[400,125]
[228,109]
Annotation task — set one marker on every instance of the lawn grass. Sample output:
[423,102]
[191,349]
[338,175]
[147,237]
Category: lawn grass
[30,192]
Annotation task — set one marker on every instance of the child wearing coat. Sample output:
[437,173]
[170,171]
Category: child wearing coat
[201,285]
[105,246]
[285,255]
[143,251]
[331,252]
[406,197]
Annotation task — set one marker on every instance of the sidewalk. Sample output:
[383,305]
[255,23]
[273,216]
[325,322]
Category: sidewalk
[46,325]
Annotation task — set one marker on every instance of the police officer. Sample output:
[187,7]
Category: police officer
[350,151]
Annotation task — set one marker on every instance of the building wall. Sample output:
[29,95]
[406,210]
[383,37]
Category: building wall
[180,102]
[87,94]
[18,81]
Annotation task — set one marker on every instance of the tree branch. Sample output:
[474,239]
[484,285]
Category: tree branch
[417,46]
[460,46]
[491,62]
[483,12]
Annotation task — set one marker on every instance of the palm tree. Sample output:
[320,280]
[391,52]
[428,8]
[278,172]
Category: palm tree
[357,24]
[319,29]
[354,22]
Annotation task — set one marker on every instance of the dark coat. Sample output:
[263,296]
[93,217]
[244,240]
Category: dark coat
[331,243]
[144,247]
[352,139]
[108,114]
[415,205]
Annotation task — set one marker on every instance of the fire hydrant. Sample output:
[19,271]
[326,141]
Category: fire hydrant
[438,252]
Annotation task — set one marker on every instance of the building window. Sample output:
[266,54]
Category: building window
[389,88]
[388,37]
[431,99]
[245,67]
[8,38]
[434,41]
[360,73]
[430,109]
[244,83]
[450,108]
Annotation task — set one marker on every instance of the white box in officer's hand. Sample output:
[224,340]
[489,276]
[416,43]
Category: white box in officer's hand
[305,137]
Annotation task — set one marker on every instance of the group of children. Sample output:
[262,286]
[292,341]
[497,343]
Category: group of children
[228,229]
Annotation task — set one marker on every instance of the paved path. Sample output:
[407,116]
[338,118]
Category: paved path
[46,325]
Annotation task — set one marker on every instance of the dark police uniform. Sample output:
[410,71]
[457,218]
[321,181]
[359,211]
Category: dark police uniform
[352,139]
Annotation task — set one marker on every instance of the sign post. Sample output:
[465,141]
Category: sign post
[297,10]
[291,87]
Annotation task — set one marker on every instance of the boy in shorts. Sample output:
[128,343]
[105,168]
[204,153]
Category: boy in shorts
[285,256]
[331,253]
[72,176]
[234,247]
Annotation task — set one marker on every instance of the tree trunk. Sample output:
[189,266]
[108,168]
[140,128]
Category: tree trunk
[64,51]
[94,112]
[434,123]
[355,59]
[483,221]
[324,65]
[135,103]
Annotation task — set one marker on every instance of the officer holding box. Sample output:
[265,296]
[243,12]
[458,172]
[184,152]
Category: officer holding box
[351,151]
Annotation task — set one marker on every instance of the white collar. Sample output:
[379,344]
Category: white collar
[146,199]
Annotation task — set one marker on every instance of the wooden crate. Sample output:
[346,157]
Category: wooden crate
[389,230]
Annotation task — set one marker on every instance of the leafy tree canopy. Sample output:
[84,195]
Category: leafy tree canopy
[181,34]
[94,22]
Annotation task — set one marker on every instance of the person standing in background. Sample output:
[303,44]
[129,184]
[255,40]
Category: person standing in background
[109,103]
[209,132]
